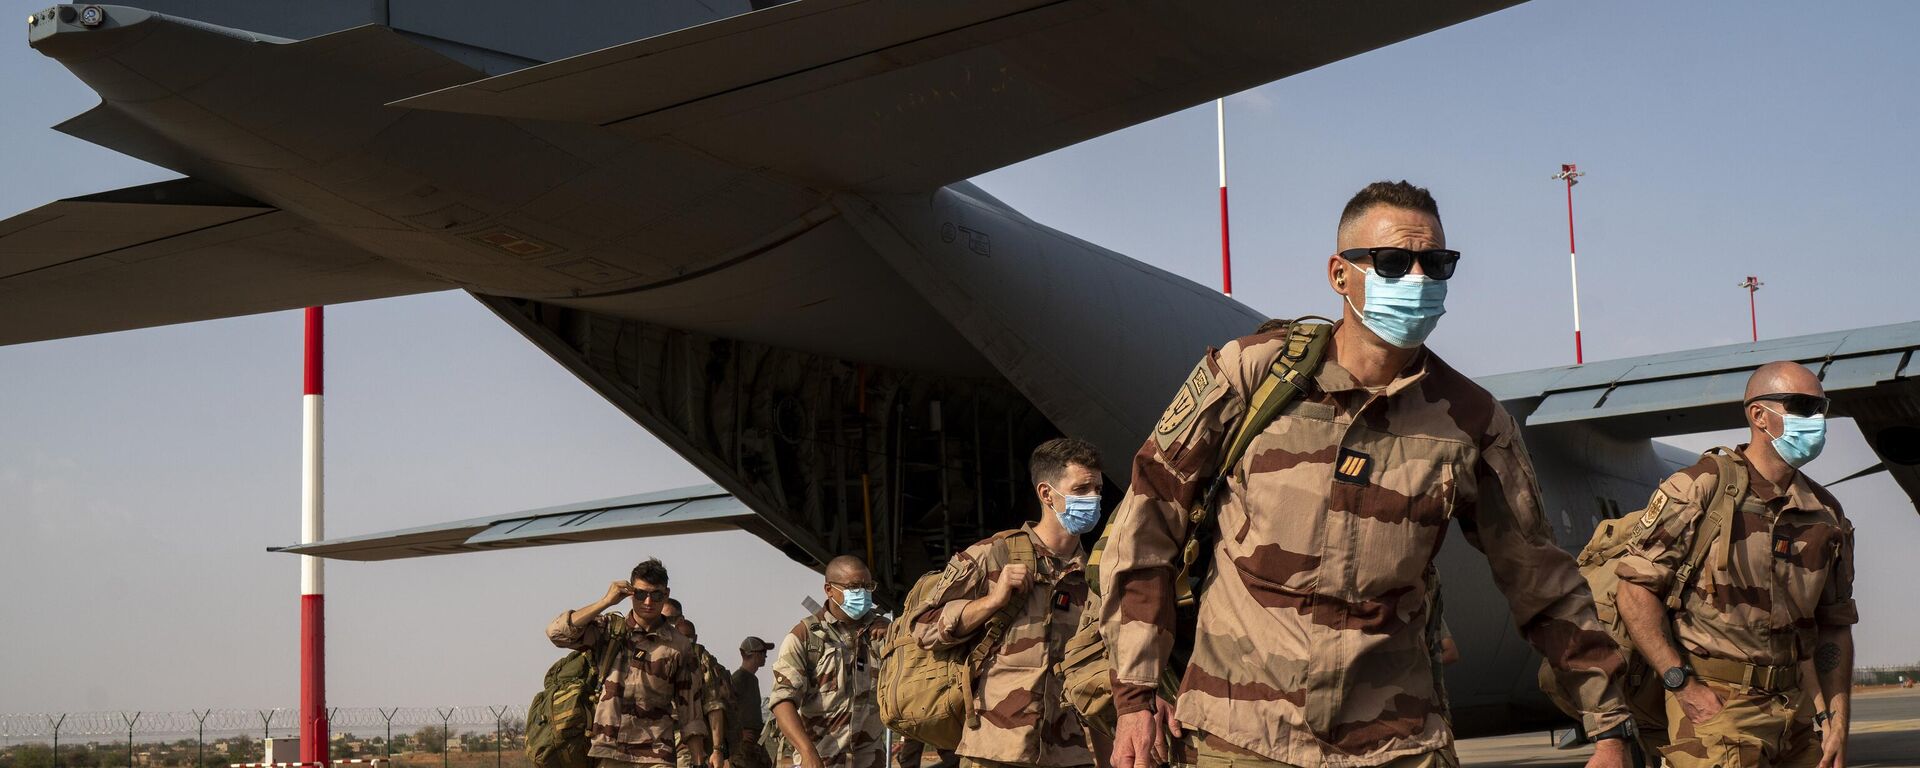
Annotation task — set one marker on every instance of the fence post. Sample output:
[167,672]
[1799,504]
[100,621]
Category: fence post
[130,722]
[446,735]
[56,737]
[200,740]
[266,725]
[389,718]
[497,713]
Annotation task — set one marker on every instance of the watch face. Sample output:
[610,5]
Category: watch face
[1674,678]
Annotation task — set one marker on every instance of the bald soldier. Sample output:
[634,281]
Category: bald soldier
[824,675]
[1777,588]
[1311,646]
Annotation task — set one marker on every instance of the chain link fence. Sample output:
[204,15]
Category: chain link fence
[411,737]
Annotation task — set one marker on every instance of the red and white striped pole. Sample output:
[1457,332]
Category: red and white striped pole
[1752,284]
[314,731]
[1226,251]
[1570,173]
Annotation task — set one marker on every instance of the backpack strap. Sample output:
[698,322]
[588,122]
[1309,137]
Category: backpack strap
[1730,486]
[616,638]
[1019,549]
[1286,379]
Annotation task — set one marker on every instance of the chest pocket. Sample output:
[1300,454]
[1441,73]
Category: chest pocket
[649,679]
[1397,519]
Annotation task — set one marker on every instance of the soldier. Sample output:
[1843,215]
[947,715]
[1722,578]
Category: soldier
[1023,714]
[652,682]
[743,718]
[719,691]
[824,675]
[1311,642]
[1775,588]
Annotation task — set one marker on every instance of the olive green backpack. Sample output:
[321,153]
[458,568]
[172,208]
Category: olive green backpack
[1085,670]
[927,695]
[562,712]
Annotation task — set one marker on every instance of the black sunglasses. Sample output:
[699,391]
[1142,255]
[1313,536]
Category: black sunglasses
[650,595]
[1437,263]
[1796,404]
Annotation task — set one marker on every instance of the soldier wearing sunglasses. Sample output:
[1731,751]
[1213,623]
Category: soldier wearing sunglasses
[1775,588]
[1311,641]
[653,693]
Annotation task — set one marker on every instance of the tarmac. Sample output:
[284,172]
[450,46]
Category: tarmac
[1885,734]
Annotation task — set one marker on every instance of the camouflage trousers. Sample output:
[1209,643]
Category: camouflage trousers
[1755,729]
[747,753]
[1208,753]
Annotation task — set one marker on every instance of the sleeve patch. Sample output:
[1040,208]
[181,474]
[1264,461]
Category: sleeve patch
[1186,405]
[1654,507]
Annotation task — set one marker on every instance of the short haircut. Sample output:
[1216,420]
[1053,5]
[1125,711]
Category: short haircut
[677,608]
[650,571]
[1050,460]
[1396,194]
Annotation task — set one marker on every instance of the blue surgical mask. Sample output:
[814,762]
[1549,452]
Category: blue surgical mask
[1402,310]
[1080,514]
[856,602]
[1801,438]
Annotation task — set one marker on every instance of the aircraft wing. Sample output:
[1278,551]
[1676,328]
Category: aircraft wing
[1867,371]
[907,95]
[173,252]
[697,509]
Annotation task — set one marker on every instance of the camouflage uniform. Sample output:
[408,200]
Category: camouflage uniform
[1311,643]
[652,693]
[1024,717]
[718,697]
[1790,574]
[833,690]
[743,718]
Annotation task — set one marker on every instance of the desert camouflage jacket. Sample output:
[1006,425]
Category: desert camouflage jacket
[1311,645]
[717,688]
[652,695]
[830,680]
[1024,717]
[1791,570]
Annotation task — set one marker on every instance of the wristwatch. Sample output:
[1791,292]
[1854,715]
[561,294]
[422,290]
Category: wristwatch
[1623,731]
[1675,678]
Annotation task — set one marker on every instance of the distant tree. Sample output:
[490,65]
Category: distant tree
[513,729]
[33,756]
[432,738]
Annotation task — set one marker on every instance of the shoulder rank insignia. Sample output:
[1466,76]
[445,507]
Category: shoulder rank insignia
[1655,506]
[1186,405]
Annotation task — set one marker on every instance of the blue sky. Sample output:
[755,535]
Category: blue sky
[142,474]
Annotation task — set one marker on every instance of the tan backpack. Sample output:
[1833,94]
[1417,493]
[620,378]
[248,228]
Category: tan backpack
[927,695]
[1085,670]
[1598,562]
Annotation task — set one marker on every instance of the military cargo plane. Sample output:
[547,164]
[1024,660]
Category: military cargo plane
[750,229]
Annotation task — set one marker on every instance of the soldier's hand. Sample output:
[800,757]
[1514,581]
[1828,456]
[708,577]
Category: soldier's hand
[1140,738]
[1699,702]
[811,759]
[1833,745]
[1611,753]
[1014,579]
[618,591]
[716,760]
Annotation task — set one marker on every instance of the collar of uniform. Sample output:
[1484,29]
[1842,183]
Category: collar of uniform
[633,622]
[827,616]
[1040,548]
[1797,495]
[1332,378]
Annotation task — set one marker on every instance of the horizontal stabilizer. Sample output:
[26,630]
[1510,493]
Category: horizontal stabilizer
[907,95]
[698,509]
[1867,371]
[174,252]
